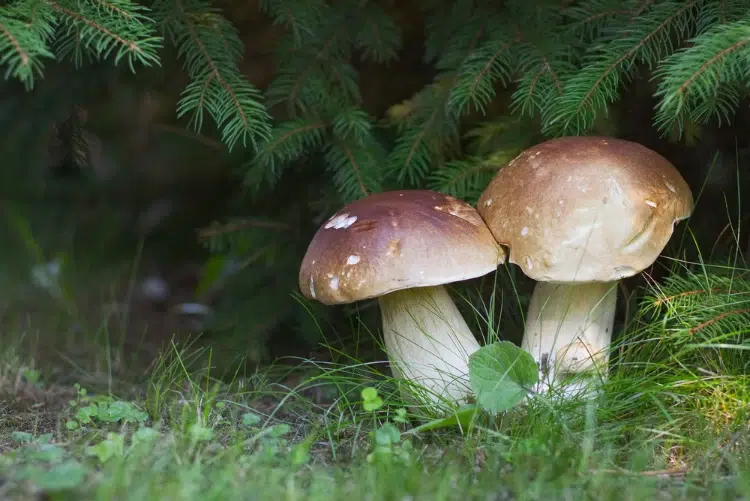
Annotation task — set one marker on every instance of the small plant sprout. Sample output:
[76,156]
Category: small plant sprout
[402,247]
[89,410]
[386,438]
[579,214]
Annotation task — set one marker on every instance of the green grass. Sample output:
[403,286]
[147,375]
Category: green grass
[189,437]
[90,410]
[671,424]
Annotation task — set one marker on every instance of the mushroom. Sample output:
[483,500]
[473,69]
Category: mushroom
[579,214]
[402,247]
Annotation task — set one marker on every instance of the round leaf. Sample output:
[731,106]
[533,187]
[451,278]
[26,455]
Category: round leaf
[501,375]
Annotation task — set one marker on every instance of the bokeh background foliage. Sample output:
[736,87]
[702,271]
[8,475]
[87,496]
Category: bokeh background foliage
[222,134]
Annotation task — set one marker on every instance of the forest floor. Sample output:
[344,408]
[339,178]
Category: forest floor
[85,414]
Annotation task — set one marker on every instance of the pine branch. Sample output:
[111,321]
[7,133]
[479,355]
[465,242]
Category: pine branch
[211,48]
[647,39]
[699,81]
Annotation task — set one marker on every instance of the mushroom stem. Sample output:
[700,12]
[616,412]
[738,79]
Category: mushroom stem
[428,341]
[569,330]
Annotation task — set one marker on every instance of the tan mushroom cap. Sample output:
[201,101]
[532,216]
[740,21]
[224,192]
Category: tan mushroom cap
[585,209]
[397,240]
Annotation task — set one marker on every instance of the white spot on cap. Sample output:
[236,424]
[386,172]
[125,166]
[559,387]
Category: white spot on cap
[524,231]
[334,283]
[488,202]
[312,286]
[353,259]
[340,221]
[529,210]
[560,202]
[437,207]
[650,203]
[670,186]
[529,264]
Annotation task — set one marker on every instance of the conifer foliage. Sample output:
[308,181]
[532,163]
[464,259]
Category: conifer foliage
[506,74]
[563,62]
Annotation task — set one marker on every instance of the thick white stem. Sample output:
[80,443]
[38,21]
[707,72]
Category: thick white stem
[428,341]
[569,330]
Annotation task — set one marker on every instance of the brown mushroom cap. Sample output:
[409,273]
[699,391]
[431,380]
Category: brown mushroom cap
[585,209]
[397,240]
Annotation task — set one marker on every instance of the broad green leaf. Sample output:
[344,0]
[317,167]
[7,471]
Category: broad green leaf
[501,375]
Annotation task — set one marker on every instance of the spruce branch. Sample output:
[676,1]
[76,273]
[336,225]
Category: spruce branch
[211,48]
[98,29]
[378,39]
[453,30]
[465,178]
[288,142]
[490,146]
[700,80]
[316,75]
[301,17]
[354,157]
[353,123]
[431,125]
[475,85]
[701,308]
[720,12]
[592,19]
[354,167]
[545,61]
[25,29]
[646,39]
